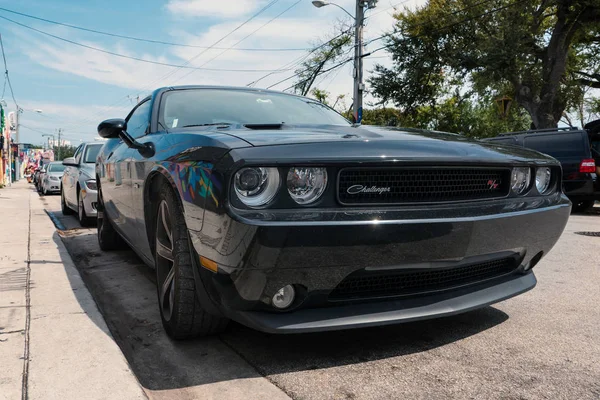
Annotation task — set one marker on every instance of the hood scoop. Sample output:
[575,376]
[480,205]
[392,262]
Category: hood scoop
[264,126]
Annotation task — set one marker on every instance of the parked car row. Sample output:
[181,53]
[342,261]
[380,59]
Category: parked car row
[47,179]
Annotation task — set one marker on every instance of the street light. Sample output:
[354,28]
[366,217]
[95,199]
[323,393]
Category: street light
[319,4]
[359,21]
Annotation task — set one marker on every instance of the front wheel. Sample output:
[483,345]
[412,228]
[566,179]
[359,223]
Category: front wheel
[181,313]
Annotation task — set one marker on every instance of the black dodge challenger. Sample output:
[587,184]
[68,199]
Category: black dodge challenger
[274,211]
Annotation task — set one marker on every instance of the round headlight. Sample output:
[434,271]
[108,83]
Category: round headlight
[306,185]
[520,179]
[542,179]
[255,187]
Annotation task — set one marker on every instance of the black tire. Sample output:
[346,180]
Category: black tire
[84,220]
[63,204]
[108,238]
[583,206]
[182,314]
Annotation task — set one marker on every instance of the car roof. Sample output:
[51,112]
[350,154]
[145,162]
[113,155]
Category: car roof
[232,88]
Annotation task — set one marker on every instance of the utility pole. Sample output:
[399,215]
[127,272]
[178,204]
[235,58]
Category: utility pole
[59,133]
[359,86]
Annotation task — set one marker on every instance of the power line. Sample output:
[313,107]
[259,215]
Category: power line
[387,46]
[166,76]
[320,73]
[380,11]
[141,39]
[244,38]
[186,66]
[7,77]
[313,68]
[302,58]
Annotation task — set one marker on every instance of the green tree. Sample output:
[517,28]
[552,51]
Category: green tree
[381,116]
[535,51]
[63,152]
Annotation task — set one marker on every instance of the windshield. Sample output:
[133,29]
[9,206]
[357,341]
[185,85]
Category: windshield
[56,168]
[184,108]
[91,152]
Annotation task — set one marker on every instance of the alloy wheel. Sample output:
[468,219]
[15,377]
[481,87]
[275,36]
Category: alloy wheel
[165,260]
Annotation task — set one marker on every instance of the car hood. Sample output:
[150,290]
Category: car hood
[384,142]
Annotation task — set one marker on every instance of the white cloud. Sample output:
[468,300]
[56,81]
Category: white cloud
[138,78]
[78,122]
[212,8]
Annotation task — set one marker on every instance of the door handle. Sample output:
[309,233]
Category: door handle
[136,185]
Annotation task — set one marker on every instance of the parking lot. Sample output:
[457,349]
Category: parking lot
[544,344]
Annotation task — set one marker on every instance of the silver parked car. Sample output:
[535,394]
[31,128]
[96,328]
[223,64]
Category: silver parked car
[51,179]
[79,183]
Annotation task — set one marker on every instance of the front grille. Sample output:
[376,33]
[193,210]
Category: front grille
[421,184]
[364,284]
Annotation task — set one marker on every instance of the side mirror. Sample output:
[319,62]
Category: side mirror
[112,128]
[70,162]
[117,128]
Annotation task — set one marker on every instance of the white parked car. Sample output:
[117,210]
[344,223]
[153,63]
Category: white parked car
[52,178]
[79,183]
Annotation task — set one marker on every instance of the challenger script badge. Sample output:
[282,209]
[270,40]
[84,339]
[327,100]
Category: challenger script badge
[356,189]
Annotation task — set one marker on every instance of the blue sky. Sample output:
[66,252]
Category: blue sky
[76,88]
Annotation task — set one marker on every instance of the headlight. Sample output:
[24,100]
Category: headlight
[53,178]
[255,187]
[542,179]
[520,179]
[91,184]
[306,185]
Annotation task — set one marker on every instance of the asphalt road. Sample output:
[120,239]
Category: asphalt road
[544,344]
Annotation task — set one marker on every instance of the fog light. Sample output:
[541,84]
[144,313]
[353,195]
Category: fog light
[284,297]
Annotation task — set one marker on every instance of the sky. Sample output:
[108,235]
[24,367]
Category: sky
[77,87]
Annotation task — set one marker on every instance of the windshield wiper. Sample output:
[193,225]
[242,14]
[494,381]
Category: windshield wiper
[215,123]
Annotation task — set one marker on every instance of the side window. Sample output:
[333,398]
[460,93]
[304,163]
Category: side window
[77,154]
[139,120]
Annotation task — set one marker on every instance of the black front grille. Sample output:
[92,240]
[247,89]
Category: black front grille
[365,284]
[421,184]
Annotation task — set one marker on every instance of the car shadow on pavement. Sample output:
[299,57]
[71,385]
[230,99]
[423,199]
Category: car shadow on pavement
[124,290]
[277,354]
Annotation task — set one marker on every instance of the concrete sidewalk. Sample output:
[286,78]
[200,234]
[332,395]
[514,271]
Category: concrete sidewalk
[54,343]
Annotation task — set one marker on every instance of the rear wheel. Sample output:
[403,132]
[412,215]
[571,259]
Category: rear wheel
[108,238]
[583,206]
[63,204]
[181,313]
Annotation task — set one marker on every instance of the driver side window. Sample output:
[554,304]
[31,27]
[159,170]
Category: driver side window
[139,121]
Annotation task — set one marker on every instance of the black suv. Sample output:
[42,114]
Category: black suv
[572,148]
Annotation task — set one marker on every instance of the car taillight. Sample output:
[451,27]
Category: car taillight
[587,166]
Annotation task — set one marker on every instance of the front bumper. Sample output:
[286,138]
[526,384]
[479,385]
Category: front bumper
[90,201]
[258,253]
[52,186]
